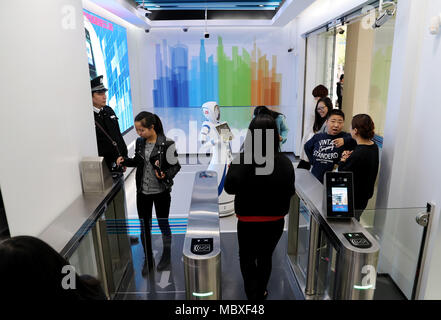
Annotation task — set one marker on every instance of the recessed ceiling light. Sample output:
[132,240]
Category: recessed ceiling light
[261,5]
[158,6]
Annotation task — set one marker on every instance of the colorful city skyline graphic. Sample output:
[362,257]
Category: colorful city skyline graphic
[243,80]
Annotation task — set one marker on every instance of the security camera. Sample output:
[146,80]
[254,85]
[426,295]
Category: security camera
[206,35]
[290,49]
[382,19]
[341,30]
[385,15]
[185,29]
[147,30]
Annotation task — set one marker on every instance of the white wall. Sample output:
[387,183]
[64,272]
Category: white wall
[46,125]
[410,162]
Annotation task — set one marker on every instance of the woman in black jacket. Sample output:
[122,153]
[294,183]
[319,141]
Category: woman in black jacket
[263,192]
[157,164]
[363,162]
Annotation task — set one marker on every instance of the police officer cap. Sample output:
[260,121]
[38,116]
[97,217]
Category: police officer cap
[96,84]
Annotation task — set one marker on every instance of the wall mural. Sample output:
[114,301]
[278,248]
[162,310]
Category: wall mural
[239,71]
[245,79]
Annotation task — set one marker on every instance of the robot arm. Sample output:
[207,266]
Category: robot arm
[206,136]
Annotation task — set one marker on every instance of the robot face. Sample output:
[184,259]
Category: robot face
[211,111]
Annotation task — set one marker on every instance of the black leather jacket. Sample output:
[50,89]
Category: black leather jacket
[164,151]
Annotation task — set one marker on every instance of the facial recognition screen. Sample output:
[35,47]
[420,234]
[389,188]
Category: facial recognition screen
[339,195]
[340,199]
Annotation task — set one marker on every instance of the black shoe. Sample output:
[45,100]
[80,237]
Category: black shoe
[164,263]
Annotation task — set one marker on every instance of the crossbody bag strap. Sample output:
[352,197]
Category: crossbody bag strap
[109,137]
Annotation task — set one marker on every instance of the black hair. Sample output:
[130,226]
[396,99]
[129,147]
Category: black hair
[364,125]
[267,125]
[148,120]
[319,121]
[265,110]
[336,112]
[30,268]
[342,77]
[320,91]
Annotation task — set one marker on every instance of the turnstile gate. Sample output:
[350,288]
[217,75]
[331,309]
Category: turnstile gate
[202,256]
[331,259]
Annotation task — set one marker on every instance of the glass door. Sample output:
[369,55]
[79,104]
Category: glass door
[320,61]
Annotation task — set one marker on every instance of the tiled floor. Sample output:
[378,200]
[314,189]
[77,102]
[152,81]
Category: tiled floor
[170,285]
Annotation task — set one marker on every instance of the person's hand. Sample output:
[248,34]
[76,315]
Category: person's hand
[280,138]
[162,176]
[338,142]
[345,155]
[119,161]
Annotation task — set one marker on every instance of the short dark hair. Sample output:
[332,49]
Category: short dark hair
[342,77]
[320,91]
[336,112]
[364,125]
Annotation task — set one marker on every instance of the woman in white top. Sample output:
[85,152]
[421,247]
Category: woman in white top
[319,92]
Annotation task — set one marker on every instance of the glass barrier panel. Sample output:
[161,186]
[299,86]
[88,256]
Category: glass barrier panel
[400,237]
[303,238]
[84,258]
[157,260]
[326,267]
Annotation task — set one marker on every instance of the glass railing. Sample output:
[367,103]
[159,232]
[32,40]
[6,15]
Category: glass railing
[400,238]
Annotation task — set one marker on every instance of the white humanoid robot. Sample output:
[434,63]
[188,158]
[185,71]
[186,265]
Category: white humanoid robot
[217,136]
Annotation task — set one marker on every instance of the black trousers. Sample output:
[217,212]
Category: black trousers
[257,241]
[144,205]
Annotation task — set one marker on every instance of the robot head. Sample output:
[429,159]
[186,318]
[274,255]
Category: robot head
[211,111]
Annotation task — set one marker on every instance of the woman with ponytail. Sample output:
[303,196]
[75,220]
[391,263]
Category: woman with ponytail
[157,164]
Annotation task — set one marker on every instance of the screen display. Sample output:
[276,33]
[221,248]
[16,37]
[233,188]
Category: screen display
[340,199]
[106,44]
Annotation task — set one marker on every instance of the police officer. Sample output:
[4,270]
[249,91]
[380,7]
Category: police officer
[110,142]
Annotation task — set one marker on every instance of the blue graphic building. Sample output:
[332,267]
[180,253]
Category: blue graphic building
[177,86]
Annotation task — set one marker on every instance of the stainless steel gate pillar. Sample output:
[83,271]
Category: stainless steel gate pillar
[202,256]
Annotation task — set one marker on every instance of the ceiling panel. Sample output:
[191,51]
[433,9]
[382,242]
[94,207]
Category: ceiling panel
[195,9]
